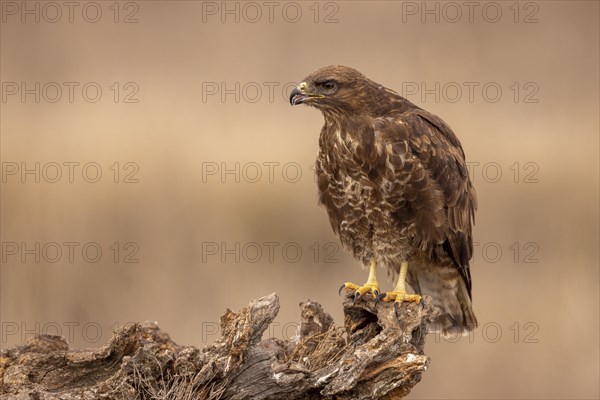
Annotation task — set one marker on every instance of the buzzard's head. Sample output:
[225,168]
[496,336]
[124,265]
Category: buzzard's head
[342,90]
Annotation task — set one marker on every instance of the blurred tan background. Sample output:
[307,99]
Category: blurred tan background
[186,95]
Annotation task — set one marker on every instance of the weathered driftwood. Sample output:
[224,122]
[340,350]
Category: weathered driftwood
[376,355]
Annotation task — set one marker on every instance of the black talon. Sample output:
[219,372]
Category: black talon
[356,296]
[376,295]
[380,297]
[340,291]
[396,309]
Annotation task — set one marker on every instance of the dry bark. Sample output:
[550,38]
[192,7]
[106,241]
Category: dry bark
[374,356]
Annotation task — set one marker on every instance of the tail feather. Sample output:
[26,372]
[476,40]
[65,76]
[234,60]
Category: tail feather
[449,293]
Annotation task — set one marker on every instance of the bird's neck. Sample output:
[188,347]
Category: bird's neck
[342,129]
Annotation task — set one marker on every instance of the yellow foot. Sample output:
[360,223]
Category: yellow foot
[359,291]
[399,296]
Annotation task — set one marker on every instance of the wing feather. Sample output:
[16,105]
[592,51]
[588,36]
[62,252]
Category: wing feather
[437,192]
[449,169]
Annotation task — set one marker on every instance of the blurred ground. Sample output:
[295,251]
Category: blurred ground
[206,194]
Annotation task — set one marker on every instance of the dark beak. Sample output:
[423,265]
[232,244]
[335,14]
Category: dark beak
[297,97]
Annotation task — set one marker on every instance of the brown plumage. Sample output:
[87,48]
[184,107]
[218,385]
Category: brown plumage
[394,182]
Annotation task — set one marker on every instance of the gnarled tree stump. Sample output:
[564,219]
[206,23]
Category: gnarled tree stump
[375,355]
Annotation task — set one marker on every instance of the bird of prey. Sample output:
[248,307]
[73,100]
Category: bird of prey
[395,185]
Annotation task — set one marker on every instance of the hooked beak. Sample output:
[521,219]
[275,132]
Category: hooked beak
[299,95]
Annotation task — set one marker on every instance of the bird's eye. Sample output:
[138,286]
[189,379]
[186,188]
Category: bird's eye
[328,85]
